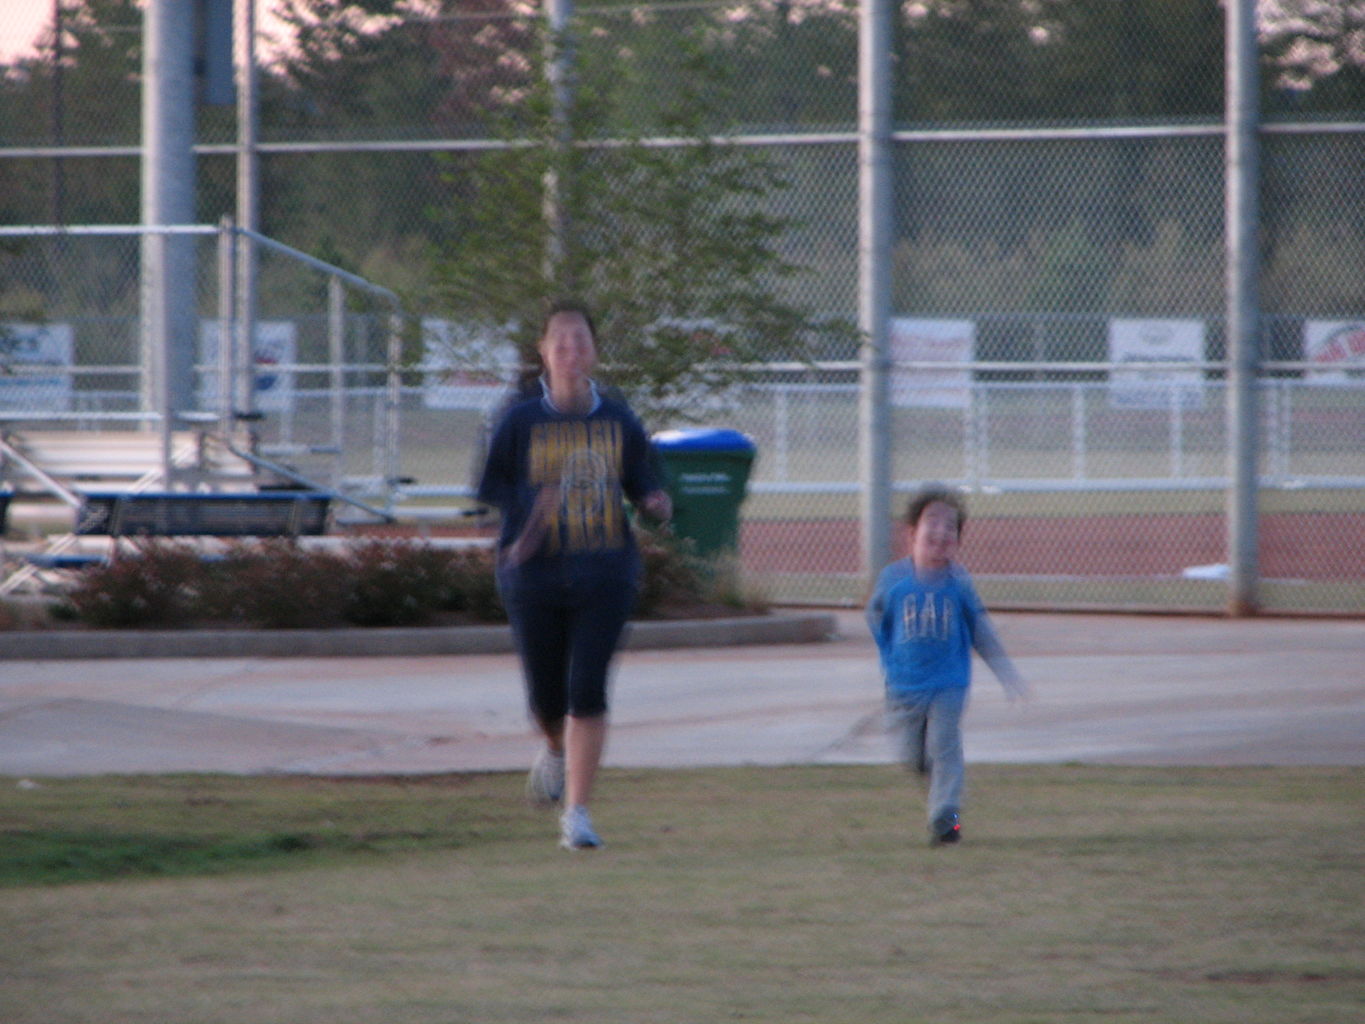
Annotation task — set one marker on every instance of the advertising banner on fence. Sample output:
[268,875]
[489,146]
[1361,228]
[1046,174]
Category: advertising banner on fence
[274,346]
[1156,341]
[949,342]
[1337,346]
[468,366]
[32,358]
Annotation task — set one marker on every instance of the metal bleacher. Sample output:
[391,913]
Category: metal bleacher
[126,485]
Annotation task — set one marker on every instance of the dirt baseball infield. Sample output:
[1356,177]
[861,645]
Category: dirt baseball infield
[1298,545]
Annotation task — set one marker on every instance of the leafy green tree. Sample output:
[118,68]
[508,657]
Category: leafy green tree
[100,86]
[789,64]
[470,69]
[379,69]
[94,98]
[671,245]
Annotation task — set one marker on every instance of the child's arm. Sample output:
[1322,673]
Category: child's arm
[876,613]
[876,623]
[877,609]
[992,651]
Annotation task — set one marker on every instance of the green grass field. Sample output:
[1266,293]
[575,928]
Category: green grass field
[776,894]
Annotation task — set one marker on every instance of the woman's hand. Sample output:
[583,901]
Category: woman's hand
[658,504]
[532,534]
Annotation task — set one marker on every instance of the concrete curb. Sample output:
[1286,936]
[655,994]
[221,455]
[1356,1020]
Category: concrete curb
[51,645]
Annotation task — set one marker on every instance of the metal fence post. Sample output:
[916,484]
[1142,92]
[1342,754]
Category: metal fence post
[781,430]
[248,207]
[227,327]
[874,279]
[1243,303]
[336,354]
[970,448]
[1078,436]
[393,398]
[559,70]
[167,269]
[1284,420]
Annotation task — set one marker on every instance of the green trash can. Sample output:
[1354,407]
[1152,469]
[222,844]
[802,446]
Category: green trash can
[706,472]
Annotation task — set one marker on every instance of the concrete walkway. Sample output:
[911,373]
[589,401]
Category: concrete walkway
[1108,688]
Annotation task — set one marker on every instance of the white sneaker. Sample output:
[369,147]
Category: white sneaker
[576,831]
[545,783]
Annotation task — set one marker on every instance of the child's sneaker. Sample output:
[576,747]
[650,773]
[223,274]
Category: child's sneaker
[576,831]
[545,783]
[946,831]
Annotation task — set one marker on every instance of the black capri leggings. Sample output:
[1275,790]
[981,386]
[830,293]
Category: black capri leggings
[568,617]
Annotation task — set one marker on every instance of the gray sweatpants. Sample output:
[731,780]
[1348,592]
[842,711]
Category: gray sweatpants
[927,732]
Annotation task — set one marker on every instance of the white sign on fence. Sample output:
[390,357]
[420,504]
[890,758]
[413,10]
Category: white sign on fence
[950,342]
[470,366]
[1156,341]
[1335,345]
[24,347]
[274,346]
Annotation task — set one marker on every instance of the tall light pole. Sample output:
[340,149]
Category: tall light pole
[559,71]
[874,279]
[243,389]
[168,270]
[1242,157]
[58,114]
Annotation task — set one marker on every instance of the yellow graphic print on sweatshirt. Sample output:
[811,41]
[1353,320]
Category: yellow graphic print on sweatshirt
[583,459]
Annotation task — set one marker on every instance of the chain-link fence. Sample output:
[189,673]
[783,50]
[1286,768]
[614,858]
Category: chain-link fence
[1058,278]
[317,399]
[1079,495]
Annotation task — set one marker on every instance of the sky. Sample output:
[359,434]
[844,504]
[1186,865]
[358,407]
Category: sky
[21,22]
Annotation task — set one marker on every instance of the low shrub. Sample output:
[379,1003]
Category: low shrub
[278,584]
[673,573]
[725,585]
[474,587]
[160,585]
[396,583]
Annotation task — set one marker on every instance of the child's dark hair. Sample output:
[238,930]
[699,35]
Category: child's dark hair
[927,496]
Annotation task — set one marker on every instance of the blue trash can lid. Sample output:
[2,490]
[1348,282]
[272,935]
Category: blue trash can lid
[704,439]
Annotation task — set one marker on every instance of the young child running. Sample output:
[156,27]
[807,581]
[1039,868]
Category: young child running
[926,617]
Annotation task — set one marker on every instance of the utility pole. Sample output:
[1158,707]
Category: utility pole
[1242,159]
[243,390]
[168,267]
[560,72]
[58,114]
[874,280]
